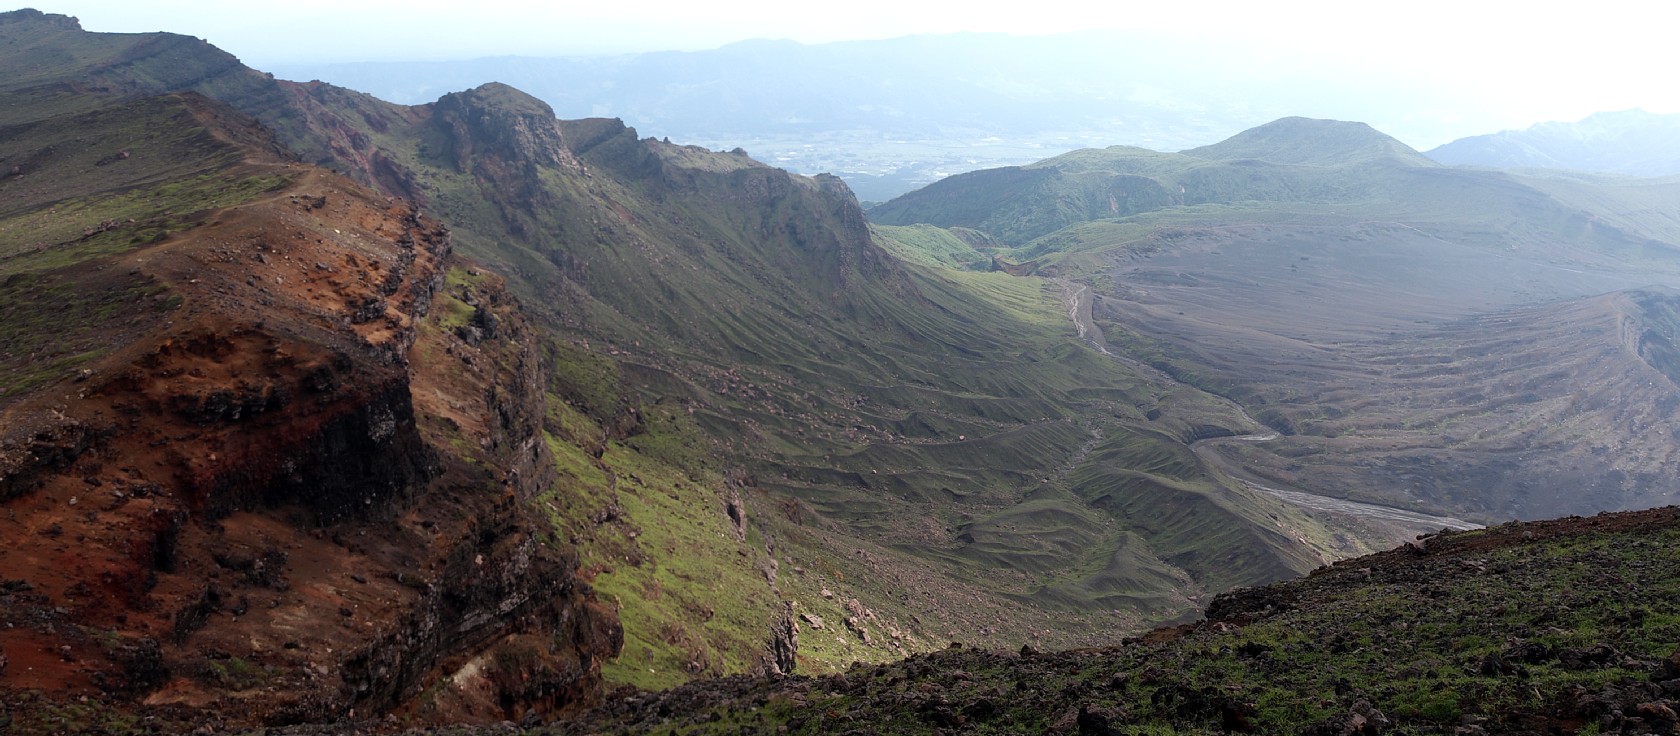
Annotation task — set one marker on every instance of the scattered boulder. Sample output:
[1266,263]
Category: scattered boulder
[486,322]
[1597,656]
[1668,669]
[1363,719]
[1375,721]
[737,512]
[784,643]
[1237,716]
[143,668]
[1097,721]
[857,627]
[1529,653]
[1494,665]
[981,710]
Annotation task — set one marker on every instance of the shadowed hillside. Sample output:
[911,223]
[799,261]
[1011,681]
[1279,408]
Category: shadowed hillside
[730,383]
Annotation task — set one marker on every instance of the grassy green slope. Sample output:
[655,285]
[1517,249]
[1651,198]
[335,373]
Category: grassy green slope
[1020,205]
[931,246]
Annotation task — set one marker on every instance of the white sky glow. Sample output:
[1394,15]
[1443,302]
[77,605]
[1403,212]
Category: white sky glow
[1533,61]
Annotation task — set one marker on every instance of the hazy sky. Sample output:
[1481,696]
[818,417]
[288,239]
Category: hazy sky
[1534,60]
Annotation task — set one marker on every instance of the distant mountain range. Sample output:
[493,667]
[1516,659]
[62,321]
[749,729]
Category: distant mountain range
[1632,142]
[892,115]
[1136,88]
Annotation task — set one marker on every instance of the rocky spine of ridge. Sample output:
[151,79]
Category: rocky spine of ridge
[507,138]
[31,15]
[497,122]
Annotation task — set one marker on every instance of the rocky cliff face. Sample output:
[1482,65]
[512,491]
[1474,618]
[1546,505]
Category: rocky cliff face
[817,234]
[498,122]
[303,494]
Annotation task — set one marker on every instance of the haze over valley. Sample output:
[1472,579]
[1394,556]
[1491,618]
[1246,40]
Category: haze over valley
[896,114]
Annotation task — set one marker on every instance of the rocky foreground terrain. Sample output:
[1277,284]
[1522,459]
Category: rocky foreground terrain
[1565,626]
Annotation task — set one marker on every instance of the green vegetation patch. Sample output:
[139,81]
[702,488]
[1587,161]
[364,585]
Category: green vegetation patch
[57,322]
[652,519]
[931,246]
[73,231]
[98,183]
[691,593]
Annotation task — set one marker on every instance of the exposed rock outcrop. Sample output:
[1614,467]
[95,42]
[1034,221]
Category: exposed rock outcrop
[783,650]
[498,122]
